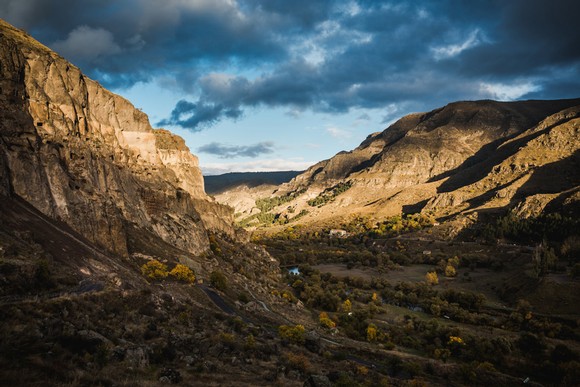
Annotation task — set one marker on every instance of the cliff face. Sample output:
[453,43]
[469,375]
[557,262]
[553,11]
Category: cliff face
[88,157]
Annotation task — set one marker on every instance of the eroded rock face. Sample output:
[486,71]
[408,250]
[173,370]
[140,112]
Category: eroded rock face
[88,157]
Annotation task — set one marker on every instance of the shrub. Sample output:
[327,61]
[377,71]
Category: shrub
[431,278]
[325,321]
[450,271]
[218,280]
[329,194]
[372,333]
[294,334]
[298,362]
[154,270]
[346,306]
[182,273]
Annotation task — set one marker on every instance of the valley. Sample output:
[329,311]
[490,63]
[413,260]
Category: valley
[444,250]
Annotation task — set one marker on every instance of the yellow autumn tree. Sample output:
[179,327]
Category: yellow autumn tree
[431,278]
[450,271]
[325,321]
[372,333]
[182,273]
[346,306]
[154,270]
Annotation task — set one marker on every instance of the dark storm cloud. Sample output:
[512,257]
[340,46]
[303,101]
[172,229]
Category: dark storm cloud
[196,115]
[329,56]
[231,151]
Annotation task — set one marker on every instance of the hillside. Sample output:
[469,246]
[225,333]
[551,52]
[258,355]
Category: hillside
[466,156]
[104,222]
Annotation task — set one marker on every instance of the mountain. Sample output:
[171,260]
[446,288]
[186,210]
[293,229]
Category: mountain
[87,157]
[114,262]
[215,184]
[466,156]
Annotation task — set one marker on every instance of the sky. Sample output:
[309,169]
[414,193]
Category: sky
[263,85]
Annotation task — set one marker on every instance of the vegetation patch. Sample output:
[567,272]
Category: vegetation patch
[329,194]
[267,204]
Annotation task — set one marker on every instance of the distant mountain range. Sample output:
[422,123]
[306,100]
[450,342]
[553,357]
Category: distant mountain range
[215,184]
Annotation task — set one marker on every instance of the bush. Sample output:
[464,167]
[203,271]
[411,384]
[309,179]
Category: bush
[329,194]
[346,306]
[218,280]
[182,273]
[294,334]
[450,271]
[431,278]
[298,362]
[154,270]
[372,333]
[325,321]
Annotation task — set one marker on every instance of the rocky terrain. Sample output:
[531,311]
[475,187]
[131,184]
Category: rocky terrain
[464,157]
[90,194]
[87,157]
[117,269]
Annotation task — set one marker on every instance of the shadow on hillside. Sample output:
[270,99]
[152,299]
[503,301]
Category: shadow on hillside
[559,176]
[554,177]
[482,162]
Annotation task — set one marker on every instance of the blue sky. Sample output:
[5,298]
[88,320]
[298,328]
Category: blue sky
[277,85]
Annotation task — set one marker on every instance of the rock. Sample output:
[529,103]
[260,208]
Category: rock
[85,156]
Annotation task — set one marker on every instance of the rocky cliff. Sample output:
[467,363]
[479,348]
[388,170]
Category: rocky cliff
[85,156]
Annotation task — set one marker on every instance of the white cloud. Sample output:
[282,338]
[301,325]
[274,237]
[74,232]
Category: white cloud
[267,165]
[505,92]
[452,50]
[87,43]
[338,133]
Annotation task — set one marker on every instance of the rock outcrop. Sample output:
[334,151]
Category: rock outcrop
[86,156]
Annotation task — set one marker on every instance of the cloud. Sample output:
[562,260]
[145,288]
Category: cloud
[194,116]
[338,133]
[510,92]
[232,151]
[453,50]
[86,44]
[225,57]
[266,165]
